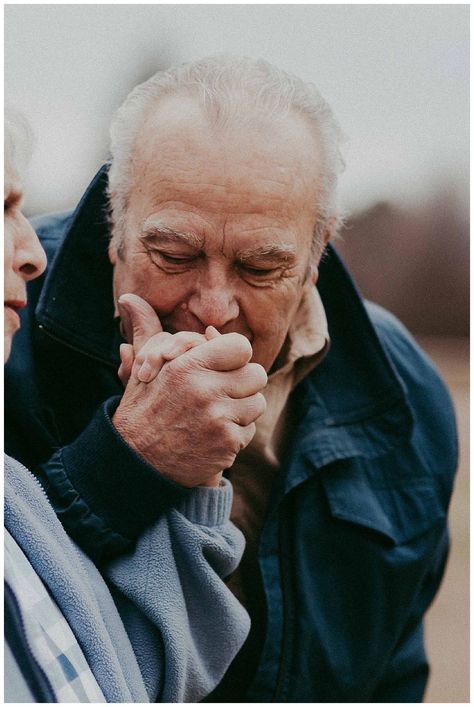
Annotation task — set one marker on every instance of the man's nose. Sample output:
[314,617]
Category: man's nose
[214,302]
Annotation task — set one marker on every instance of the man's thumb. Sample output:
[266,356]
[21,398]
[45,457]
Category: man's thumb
[139,320]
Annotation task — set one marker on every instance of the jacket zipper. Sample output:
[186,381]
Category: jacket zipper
[38,483]
[38,680]
[43,492]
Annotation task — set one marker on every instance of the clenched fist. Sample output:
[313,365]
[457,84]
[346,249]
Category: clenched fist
[192,419]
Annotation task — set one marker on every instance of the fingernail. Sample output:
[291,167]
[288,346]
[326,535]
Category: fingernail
[212,332]
[145,373]
[124,351]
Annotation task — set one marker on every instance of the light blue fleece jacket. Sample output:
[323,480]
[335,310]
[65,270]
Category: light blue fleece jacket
[174,627]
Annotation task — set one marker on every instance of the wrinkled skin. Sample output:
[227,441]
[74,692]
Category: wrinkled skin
[214,378]
[218,233]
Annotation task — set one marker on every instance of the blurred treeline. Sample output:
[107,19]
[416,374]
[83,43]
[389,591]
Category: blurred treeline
[414,260]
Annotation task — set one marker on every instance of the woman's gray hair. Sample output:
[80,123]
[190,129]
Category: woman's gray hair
[17,141]
[232,90]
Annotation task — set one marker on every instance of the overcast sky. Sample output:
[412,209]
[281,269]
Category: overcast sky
[397,77]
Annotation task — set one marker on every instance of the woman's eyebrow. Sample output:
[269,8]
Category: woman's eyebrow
[161,234]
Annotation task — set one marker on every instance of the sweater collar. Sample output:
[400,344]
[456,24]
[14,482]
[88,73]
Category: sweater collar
[76,306]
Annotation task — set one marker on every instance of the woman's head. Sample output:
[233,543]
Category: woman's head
[24,258]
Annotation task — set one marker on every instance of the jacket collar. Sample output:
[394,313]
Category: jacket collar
[356,382]
[355,402]
[76,302]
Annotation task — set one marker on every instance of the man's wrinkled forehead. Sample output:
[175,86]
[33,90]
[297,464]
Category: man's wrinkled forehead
[252,183]
[178,132]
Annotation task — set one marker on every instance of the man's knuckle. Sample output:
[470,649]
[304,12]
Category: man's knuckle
[260,403]
[259,374]
[173,377]
[201,391]
[238,343]
[228,436]
[247,434]
[189,337]
[182,338]
[244,345]
[229,460]
[179,367]
[183,376]
[140,358]
[153,358]
[262,373]
[223,426]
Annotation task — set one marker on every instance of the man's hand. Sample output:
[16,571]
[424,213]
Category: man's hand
[150,347]
[200,410]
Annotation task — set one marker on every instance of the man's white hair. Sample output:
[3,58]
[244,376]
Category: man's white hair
[17,143]
[232,91]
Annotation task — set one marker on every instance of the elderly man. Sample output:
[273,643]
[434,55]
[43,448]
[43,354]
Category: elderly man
[221,190]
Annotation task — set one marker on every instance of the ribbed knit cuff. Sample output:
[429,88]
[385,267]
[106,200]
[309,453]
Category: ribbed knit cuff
[106,477]
[207,505]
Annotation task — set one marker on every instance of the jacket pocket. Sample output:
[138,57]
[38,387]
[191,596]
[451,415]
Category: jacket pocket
[398,511]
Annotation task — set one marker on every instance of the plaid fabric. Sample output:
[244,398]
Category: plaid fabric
[49,636]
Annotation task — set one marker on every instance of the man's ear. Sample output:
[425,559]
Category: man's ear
[313,274]
[112,250]
[331,229]
[113,257]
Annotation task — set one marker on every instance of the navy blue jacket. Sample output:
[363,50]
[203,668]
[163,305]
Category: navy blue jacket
[355,542]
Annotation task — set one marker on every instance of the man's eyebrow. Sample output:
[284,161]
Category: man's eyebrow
[161,234]
[273,251]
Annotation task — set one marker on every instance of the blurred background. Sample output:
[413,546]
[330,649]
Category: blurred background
[397,77]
